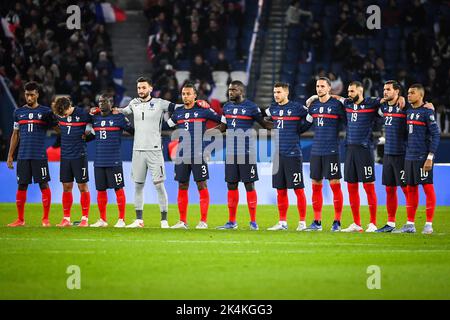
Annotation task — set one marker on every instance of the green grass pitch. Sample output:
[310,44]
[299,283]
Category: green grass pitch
[152,263]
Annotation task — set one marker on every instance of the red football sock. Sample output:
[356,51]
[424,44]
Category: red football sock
[204,204]
[252,201]
[413,202]
[405,192]
[233,201]
[121,202]
[353,194]
[283,203]
[102,200]
[431,201]
[21,198]
[183,201]
[46,202]
[338,200]
[67,201]
[85,201]
[301,203]
[391,202]
[372,201]
[317,201]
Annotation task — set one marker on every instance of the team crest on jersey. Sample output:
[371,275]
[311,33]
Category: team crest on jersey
[195,114]
[289,112]
[281,113]
[103,123]
[329,110]
[69,119]
[244,111]
[417,116]
[111,123]
[186,115]
[398,109]
[235,111]
[363,106]
[30,116]
[77,118]
[39,116]
[151,106]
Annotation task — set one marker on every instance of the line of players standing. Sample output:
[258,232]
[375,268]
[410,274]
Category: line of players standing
[412,138]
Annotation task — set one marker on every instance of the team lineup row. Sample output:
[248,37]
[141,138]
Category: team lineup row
[411,133]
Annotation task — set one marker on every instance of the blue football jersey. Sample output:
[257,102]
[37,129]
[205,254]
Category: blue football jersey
[423,133]
[395,128]
[327,119]
[33,124]
[289,120]
[73,146]
[239,118]
[360,121]
[108,138]
[193,121]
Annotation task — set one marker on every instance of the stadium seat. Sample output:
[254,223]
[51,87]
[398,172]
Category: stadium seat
[182,76]
[239,65]
[183,65]
[391,45]
[287,77]
[239,75]
[220,93]
[305,68]
[232,32]
[303,78]
[394,33]
[220,77]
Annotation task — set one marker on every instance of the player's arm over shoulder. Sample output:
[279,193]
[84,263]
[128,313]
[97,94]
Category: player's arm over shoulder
[129,108]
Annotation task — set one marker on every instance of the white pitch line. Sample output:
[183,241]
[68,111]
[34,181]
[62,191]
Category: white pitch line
[288,243]
[300,251]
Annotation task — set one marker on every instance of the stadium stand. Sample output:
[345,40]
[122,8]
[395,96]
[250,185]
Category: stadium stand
[38,46]
[198,39]
[413,45]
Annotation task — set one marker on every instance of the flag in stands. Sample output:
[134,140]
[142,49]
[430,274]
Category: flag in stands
[7,28]
[106,12]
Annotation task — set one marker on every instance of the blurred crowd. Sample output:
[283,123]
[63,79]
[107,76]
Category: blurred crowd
[191,35]
[78,63]
[413,45]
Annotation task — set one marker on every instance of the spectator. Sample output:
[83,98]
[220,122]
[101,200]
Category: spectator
[214,36]
[294,13]
[195,47]
[200,71]
[222,63]
[337,86]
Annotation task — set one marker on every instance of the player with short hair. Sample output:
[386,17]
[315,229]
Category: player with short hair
[31,122]
[190,120]
[327,116]
[148,114]
[289,119]
[359,160]
[422,144]
[394,150]
[74,163]
[108,128]
[239,116]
